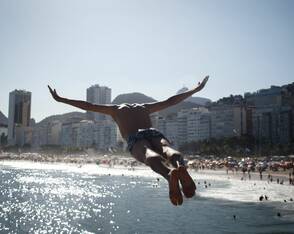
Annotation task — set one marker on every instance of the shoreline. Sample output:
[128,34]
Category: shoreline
[281,177]
[70,158]
[208,182]
[127,162]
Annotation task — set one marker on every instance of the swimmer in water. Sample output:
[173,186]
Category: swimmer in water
[145,143]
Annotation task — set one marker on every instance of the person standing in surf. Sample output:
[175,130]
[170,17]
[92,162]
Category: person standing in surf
[146,144]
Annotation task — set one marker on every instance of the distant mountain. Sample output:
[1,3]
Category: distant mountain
[132,98]
[176,108]
[197,100]
[63,117]
[3,119]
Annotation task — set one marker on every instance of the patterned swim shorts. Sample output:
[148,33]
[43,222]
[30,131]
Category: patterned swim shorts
[146,134]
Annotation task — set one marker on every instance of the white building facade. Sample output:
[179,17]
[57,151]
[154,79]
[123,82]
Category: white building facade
[101,135]
[198,124]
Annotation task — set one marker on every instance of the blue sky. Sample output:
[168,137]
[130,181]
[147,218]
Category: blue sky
[149,46]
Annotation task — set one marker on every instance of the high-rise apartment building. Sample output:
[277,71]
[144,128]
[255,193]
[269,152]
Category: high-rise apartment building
[182,126]
[273,114]
[265,97]
[228,121]
[273,124]
[19,116]
[198,124]
[98,95]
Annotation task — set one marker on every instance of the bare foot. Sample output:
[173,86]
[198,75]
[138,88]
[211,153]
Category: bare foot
[187,182]
[175,194]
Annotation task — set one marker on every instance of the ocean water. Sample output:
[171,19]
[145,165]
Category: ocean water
[60,198]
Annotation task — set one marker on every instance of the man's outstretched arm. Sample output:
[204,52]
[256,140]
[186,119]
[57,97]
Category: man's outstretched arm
[104,109]
[158,106]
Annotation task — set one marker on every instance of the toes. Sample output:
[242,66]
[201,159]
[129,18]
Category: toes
[187,182]
[176,200]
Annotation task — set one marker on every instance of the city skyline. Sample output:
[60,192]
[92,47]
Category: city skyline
[265,115]
[97,85]
[151,47]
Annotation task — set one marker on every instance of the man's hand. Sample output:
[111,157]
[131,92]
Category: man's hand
[202,84]
[54,94]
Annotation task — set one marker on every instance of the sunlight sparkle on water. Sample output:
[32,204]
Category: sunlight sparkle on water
[68,199]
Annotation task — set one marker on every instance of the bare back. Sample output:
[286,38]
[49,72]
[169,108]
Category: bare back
[131,117]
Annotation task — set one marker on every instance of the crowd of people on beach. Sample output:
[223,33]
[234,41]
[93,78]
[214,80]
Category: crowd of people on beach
[277,169]
[279,178]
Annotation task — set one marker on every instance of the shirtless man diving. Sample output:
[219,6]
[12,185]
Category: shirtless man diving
[145,143]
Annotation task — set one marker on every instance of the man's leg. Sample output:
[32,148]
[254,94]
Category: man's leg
[143,152]
[161,146]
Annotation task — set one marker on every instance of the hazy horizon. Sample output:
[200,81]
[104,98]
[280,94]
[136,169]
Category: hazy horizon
[151,47]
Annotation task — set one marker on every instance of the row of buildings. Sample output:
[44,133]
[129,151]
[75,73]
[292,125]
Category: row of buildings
[76,132]
[267,115]
[90,130]
[203,123]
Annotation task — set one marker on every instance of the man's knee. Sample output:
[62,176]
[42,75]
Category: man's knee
[153,160]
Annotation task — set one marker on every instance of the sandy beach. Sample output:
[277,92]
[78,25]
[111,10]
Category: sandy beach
[128,162]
